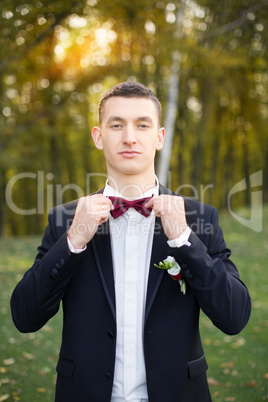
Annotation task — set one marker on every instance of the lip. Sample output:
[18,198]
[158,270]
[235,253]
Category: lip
[129,154]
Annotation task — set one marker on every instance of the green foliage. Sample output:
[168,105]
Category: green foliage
[58,58]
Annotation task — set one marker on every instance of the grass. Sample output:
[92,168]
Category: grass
[238,365]
[27,361]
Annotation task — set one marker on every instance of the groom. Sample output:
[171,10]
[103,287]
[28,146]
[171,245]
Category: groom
[130,329]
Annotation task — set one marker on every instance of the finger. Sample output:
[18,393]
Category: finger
[110,204]
[103,219]
[151,203]
[180,207]
[102,214]
[104,200]
[106,205]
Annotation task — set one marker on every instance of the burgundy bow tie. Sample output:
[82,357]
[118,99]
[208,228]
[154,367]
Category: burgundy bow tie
[121,206]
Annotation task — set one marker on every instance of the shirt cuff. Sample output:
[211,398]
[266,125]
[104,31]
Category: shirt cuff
[182,240]
[75,250]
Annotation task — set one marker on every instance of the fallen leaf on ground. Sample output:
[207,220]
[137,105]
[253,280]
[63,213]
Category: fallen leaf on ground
[47,328]
[15,396]
[9,362]
[28,356]
[239,342]
[252,384]
[41,390]
[4,397]
[212,381]
[227,364]
[216,383]
[216,394]
[5,381]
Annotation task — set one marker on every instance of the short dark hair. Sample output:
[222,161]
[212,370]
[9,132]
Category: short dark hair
[130,89]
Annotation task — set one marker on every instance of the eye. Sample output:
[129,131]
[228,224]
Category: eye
[116,126]
[143,125]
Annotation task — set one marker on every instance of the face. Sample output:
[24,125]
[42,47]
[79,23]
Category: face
[129,136]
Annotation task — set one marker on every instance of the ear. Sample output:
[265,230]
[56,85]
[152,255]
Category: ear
[160,138]
[97,137]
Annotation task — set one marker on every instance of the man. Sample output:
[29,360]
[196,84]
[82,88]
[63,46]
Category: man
[130,331]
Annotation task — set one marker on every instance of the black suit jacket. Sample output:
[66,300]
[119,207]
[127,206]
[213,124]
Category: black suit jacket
[175,362]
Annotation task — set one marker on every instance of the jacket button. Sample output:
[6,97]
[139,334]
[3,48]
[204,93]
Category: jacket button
[108,375]
[55,271]
[188,274]
[111,334]
[52,276]
[61,261]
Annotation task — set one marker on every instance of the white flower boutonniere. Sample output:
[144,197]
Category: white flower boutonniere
[174,270]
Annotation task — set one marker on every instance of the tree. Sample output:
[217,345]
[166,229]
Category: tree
[59,57]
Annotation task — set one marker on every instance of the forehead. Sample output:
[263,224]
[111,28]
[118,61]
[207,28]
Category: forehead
[129,108]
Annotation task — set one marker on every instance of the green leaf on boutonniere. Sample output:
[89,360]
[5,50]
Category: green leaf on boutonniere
[183,286]
[164,265]
[174,270]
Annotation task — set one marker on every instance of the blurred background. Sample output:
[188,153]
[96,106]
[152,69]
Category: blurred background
[205,60]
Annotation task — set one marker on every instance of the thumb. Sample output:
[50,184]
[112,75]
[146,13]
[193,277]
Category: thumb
[150,203]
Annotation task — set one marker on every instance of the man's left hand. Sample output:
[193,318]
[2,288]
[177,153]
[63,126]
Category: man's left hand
[171,210]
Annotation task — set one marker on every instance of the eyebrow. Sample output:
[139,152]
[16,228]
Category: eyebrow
[118,118]
[114,118]
[145,118]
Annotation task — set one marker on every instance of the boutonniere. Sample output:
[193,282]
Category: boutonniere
[174,270]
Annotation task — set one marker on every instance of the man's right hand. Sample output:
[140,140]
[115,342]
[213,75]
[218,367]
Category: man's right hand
[91,211]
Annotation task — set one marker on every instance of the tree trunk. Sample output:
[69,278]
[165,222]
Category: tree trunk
[171,114]
[2,201]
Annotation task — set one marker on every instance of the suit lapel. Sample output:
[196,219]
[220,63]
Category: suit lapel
[102,249]
[159,253]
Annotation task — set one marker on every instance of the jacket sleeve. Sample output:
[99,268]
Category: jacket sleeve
[214,279]
[37,297]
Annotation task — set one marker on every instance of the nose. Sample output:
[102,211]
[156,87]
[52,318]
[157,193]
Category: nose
[129,136]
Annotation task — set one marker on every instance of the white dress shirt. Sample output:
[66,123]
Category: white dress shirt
[131,243]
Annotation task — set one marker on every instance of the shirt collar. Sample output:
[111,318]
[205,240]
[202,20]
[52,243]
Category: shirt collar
[112,192]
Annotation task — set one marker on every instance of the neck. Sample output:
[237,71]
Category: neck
[132,186]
